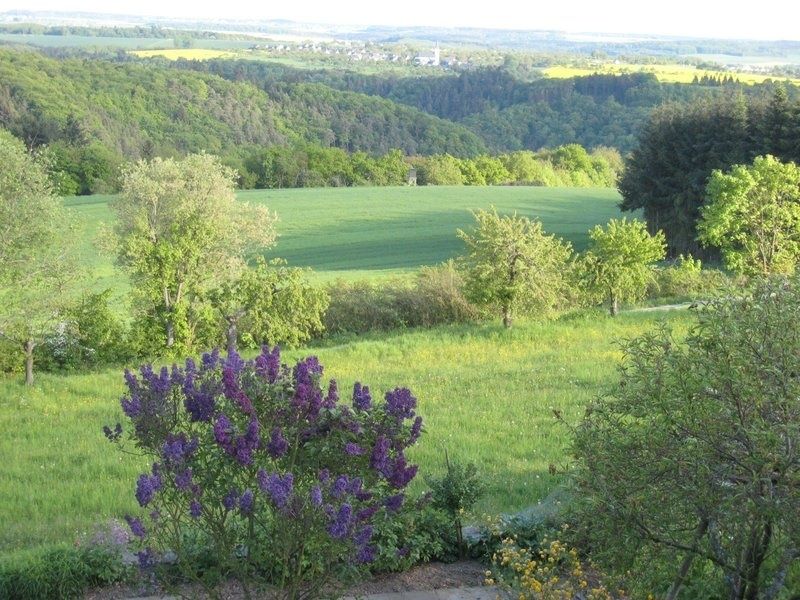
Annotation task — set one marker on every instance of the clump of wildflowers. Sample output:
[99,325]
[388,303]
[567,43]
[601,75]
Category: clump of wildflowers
[263,461]
[554,572]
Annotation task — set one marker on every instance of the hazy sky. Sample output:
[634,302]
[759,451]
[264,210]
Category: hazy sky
[756,20]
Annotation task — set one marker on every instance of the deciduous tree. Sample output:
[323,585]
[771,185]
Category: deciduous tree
[618,264]
[180,231]
[752,214]
[36,262]
[513,266]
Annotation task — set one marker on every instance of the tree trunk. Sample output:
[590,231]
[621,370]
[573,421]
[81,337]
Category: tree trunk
[170,333]
[230,333]
[675,589]
[614,307]
[28,346]
[507,320]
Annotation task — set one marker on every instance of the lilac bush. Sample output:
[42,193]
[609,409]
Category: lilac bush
[265,466]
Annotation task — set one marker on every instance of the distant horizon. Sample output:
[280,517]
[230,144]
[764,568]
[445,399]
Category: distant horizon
[710,20]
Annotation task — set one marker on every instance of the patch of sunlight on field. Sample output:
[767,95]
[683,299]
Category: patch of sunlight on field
[187,53]
[667,73]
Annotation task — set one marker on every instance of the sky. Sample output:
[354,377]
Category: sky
[768,19]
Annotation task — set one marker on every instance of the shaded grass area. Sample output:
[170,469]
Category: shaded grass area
[487,396]
[374,232]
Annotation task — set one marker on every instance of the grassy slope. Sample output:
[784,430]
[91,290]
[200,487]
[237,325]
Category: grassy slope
[366,232]
[487,396]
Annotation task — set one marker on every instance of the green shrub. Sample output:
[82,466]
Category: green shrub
[686,278]
[691,460]
[62,572]
[455,493]
[434,297]
[91,335]
[418,533]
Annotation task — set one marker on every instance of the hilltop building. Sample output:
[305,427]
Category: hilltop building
[428,59]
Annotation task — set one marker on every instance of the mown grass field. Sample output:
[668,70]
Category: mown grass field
[374,232]
[487,396]
[668,73]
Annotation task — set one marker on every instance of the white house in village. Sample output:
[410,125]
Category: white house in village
[430,59]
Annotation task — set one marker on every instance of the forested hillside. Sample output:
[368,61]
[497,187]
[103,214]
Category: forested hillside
[506,112]
[95,114]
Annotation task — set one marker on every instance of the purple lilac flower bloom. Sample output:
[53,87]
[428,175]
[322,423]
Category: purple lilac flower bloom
[210,361]
[354,486]
[340,525]
[112,434]
[268,363]
[339,486]
[183,480]
[233,362]
[306,369]
[176,449]
[136,526]
[195,509]
[132,407]
[393,503]
[230,383]
[332,397]
[363,536]
[223,430]
[279,487]
[380,454]
[365,514]
[199,403]
[246,502]
[400,403]
[362,400]
[240,447]
[230,500]
[353,449]
[366,554]
[307,399]
[130,381]
[147,558]
[277,445]
[146,487]
[416,431]
[324,475]
[401,473]
[316,496]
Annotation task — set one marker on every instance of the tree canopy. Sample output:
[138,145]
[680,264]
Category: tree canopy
[752,214]
[36,261]
[512,266]
[618,262]
[179,231]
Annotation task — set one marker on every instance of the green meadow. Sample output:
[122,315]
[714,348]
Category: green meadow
[487,395]
[374,232]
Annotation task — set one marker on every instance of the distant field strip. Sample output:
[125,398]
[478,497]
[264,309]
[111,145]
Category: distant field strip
[187,53]
[368,232]
[668,73]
